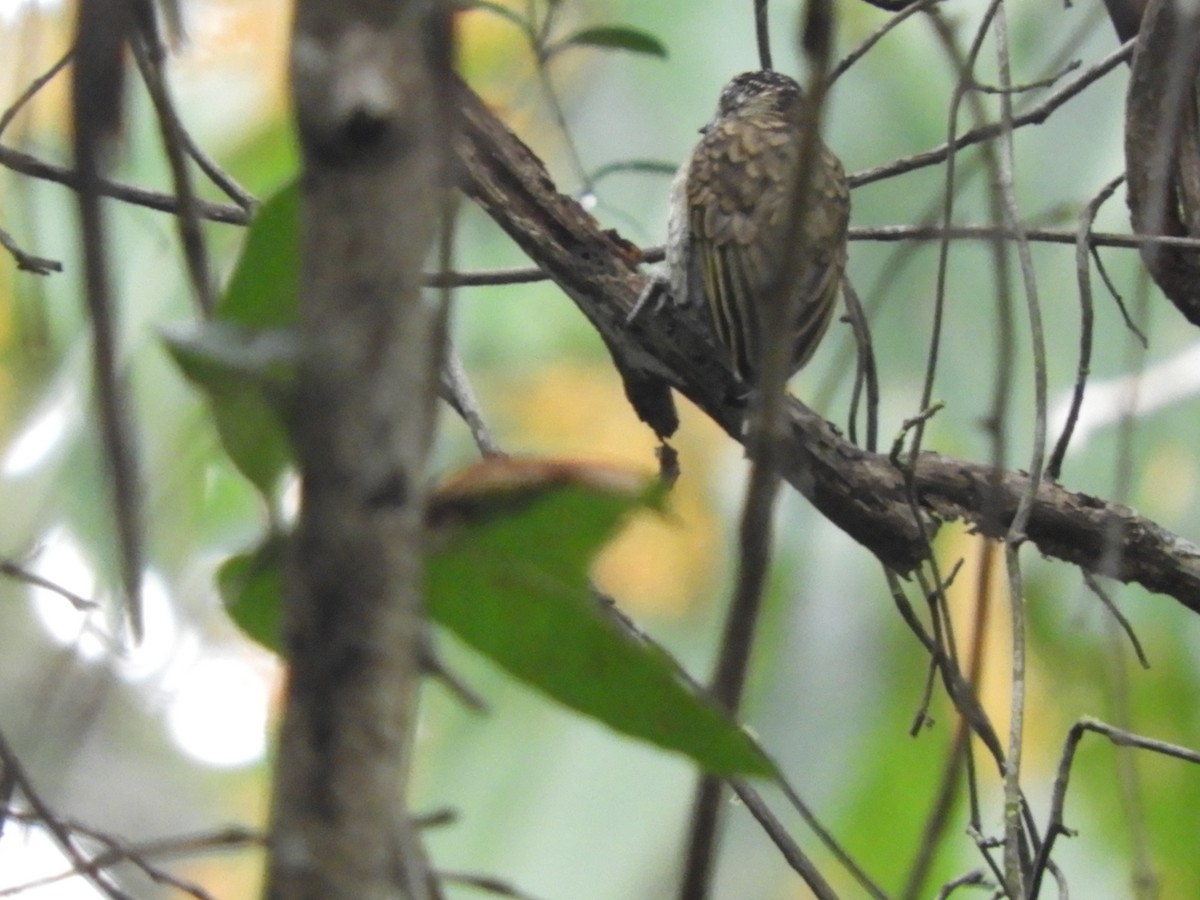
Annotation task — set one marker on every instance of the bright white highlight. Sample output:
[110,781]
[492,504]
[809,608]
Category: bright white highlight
[28,854]
[33,445]
[61,561]
[218,715]
[160,644]
[1106,402]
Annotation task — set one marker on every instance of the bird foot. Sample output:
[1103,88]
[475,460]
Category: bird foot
[653,295]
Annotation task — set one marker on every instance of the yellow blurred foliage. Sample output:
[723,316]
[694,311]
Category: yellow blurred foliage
[660,564]
[1167,480]
[979,603]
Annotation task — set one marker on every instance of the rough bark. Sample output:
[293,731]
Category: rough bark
[1162,147]
[865,494]
[367,81]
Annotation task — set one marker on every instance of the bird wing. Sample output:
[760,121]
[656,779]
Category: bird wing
[741,178]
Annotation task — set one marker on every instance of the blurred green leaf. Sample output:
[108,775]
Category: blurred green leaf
[507,573]
[614,37]
[510,577]
[247,376]
[262,292]
[251,586]
[245,360]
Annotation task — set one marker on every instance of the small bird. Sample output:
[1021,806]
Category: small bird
[731,240]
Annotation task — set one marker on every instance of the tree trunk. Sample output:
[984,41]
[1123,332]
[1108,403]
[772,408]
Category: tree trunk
[367,81]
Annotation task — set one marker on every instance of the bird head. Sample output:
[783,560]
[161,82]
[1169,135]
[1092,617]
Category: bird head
[760,92]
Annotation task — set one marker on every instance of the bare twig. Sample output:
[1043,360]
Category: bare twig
[1056,826]
[909,9]
[866,374]
[856,871]
[28,262]
[860,492]
[765,415]
[32,89]
[20,573]
[195,251]
[762,34]
[486,883]
[795,857]
[978,878]
[1033,116]
[101,37]
[1015,838]
[58,829]
[31,166]
[1083,274]
[883,233]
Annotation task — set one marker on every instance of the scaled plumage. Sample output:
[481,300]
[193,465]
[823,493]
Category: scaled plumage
[728,237]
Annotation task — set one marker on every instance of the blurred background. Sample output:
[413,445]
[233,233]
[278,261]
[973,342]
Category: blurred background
[173,738]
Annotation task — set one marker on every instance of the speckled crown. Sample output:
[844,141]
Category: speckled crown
[750,88]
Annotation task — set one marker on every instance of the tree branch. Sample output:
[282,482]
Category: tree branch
[862,493]
[369,88]
[1162,147]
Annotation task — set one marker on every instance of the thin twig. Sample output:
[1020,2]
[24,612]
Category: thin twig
[876,36]
[978,878]
[1034,235]
[1086,318]
[882,233]
[1034,116]
[766,414]
[117,851]
[31,166]
[1130,325]
[58,829]
[1014,838]
[866,375]
[762,34]
[486,883]
[96,97]
[28,262]
[20,573]
[455,389]
[32,89]
[1040,84]
[1058,798]
[191,238]
[743,788]
[795,857]
[823,834]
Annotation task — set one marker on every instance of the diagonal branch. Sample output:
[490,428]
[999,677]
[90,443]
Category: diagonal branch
[862,493]
[33,167]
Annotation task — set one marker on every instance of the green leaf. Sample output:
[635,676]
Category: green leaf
[251,586]
[508,575]
[245,360]
[262,292]
[614,37]
[247,376]
[511,541]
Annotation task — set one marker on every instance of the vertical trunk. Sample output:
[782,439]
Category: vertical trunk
[366,79]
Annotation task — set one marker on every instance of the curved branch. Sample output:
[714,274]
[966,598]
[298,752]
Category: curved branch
[1161,148]
[862,493]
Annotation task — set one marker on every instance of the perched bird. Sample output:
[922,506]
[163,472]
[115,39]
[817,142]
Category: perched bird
[732,237]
